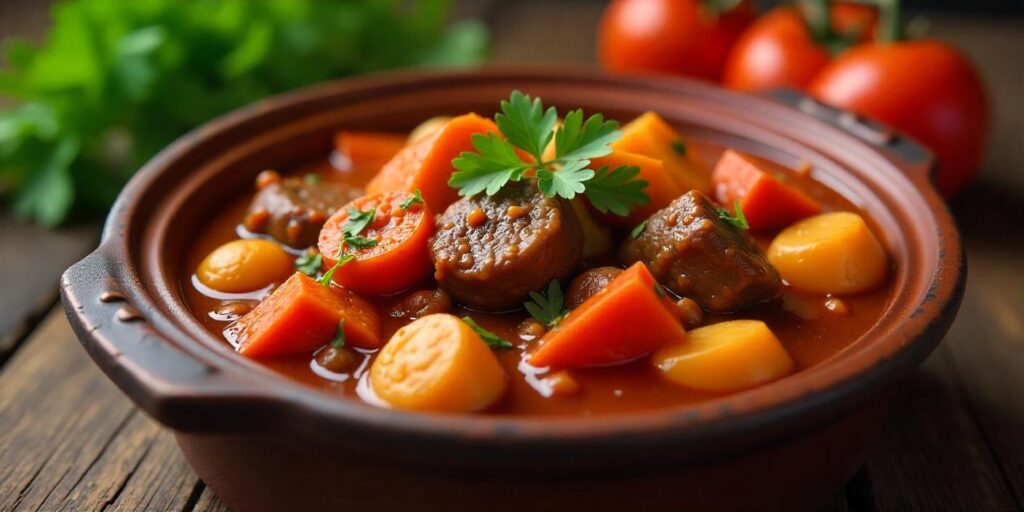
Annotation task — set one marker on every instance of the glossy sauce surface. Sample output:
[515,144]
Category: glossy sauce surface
[809,329]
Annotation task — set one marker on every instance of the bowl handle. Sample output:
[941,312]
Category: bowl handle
[175,387]
[909,155]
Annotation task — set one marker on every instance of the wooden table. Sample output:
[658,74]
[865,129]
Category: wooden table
[69,440]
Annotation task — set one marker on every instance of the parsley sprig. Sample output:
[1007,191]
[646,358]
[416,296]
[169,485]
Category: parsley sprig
[547,307]
[738,220]
[357,221]
[492,340]
[528,127]
[417,198]
[339,337]
[309,263]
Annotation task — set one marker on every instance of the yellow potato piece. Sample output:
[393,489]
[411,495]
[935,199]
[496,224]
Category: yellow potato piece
[597,237]
[245,265]
[437,363]
[725,357]
[829,253]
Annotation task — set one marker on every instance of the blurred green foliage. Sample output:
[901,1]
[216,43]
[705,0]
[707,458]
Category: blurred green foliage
[116,81]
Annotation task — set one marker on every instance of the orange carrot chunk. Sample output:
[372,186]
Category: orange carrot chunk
[399,232]
[301,316]
[630,318]
[661,188]
[765,201]
[426,163]
[368,150]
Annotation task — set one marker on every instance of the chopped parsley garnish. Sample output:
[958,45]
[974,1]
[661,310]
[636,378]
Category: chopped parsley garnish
[492,340]
[312,178]
[309,263]
[547,307]
[329,275]
[417,198]
[679,147]
[659,291]
[738,221]
[358,220]
[339,337]
[639,230]
[527,126]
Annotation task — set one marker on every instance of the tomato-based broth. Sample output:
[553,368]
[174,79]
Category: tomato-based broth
[811,326]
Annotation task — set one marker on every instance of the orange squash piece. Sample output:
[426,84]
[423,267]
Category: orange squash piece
[426,163]
[629,318]
[301,316]
[661,188]
[765,201]
[651,136]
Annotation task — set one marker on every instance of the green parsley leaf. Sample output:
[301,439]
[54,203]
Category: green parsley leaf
[579,140]
[339,338]
[312,178]
[616,191]
[526,124]
[639,229]
[547,307]
[359,242]
[495,164]
[309,264]
[492,340]
[417,198]
[659,291]
[739,221]
[565,182]
[679,147]
[329,275]
[358,220]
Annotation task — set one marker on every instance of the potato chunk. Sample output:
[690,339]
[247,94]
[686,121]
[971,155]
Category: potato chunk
[245,265]
[829,253]
[725,357]
[437,363]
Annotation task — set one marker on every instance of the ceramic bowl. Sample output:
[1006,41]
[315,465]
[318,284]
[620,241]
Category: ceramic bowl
[262,442]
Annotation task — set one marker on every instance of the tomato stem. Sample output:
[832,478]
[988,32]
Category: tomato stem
[890,24]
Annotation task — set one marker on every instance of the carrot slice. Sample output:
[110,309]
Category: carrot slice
[368,150]
[661,188]
[400,258]
[766,201]
[630,318]
[426,163]
[302,315]
[650,135]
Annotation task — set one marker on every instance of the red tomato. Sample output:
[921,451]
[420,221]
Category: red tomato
[925,89]
[678,37]
[778,50]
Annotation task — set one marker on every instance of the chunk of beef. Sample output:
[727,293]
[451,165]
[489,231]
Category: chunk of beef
[292,210]
[589,283]
[697,254]
[491,251]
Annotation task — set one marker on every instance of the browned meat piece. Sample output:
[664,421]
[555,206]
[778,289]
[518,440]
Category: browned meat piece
[490,252]
[422,303]
[695,253]
[292,210]
[589,283]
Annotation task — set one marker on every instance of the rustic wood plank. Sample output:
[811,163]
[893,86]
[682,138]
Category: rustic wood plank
[208,502]
[70,440]
[933,456]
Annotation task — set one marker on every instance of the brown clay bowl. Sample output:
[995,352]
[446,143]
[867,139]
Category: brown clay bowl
[265,443]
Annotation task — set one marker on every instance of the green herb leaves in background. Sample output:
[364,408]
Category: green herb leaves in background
[117,81]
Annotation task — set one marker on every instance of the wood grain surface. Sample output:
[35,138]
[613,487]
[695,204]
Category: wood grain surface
[69,440]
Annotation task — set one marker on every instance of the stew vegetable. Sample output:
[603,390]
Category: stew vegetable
[537,264]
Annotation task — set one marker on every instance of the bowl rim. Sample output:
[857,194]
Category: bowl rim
[297,409]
